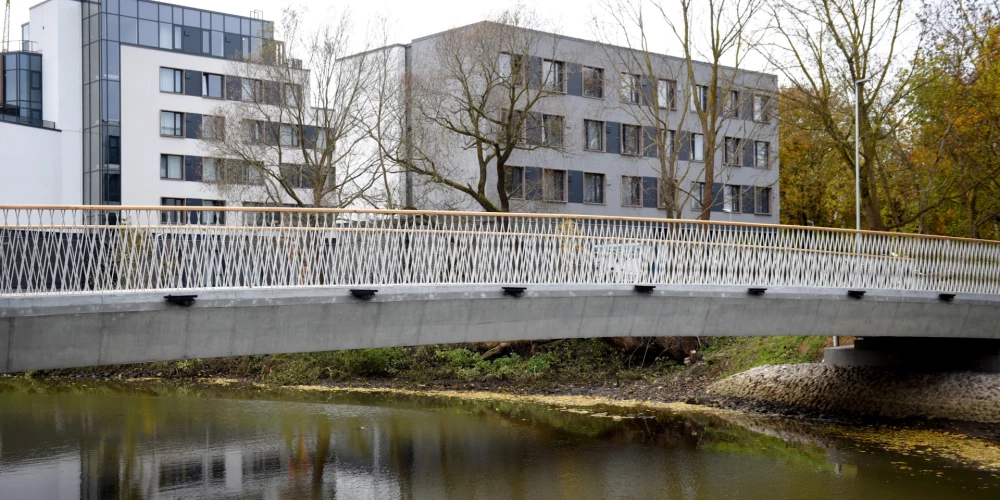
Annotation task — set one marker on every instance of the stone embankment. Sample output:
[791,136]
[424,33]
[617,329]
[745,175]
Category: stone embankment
[868,392]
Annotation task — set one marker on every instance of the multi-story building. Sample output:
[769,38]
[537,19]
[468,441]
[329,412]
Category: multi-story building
[108,103]
[603,161]
[104,100]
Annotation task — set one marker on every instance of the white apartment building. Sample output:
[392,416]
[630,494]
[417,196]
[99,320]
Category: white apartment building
[103,101]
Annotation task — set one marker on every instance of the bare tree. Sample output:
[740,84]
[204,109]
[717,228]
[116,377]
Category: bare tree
[474,102]
[288,135]
[626,44]
[822,47]
[727,24]
[717,90]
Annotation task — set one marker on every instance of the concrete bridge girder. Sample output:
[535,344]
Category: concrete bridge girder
[71,330]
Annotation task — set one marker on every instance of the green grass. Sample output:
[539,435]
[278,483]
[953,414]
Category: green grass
[737,354]
[575,361]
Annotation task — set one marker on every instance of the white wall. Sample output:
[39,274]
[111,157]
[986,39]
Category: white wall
[55,26]
[142,144]
[30,166]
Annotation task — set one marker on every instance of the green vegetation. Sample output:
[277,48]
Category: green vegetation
[574,360]
[729,355]
[571,361]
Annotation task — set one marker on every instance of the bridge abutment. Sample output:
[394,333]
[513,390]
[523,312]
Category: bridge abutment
[927,354]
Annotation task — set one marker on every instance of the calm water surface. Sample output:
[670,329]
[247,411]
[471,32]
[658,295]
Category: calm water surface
[105,440]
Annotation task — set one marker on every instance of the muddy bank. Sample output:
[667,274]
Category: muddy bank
[818,389]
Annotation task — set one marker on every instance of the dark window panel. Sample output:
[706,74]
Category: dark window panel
[147,11]
[128,8]
[165,16]
[149,33]
[192,18]
[114,102]
[232,25]
[112,25]
[129,30]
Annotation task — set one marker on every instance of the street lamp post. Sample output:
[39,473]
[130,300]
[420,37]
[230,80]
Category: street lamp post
[857,153]
[857,172]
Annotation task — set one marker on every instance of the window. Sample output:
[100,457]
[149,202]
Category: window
[212,217]
[697,195]
[554,185]
[178,38]
[171,80]
[731,199]
[292,94]
[289,135]
[593,188]
[631,89]
[665,93]
[734,151]
[631,191]
[594,135]
[210,168]
[148,33]
[554,76]
[256,132]
[552,131]
[697,147]
[171,216]
[211,85]
[291,175]
[762,154]
[514,182]
[733,104]
[699,100]
[762,201]
[630,139]
[593,82]
[760,114]
[251,89]
[213,128]
[171,123]
[512,68]
[217,48]
[246,48]
[166,36]
[322,138]
[171,167]
[114,150]
[206,42]
[668,148]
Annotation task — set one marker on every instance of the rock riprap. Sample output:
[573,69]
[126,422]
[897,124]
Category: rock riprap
[863,391]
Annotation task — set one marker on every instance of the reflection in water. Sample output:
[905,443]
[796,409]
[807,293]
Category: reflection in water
[102,440]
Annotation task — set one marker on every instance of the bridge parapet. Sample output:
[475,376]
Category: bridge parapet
[105,249]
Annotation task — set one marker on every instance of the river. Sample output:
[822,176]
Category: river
[93,439]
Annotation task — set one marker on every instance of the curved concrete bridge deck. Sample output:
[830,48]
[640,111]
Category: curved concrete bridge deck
[59,331]
[85,285]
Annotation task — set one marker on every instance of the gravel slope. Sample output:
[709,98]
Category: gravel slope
[862,391]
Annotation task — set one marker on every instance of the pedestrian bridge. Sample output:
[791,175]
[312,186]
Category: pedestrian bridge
[82,286]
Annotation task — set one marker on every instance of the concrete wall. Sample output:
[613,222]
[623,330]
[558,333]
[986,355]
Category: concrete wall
[57,331]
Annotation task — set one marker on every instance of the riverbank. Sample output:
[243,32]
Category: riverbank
[640,369]
[778,375]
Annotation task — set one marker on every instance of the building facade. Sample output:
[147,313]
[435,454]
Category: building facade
[104,101]
[599,134]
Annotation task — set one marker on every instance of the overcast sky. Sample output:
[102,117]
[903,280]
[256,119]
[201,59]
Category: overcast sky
[413,18]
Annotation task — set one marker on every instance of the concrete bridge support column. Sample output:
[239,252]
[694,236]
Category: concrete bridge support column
[919,354]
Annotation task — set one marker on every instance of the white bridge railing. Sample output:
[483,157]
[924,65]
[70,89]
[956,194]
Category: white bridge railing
[102,249]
